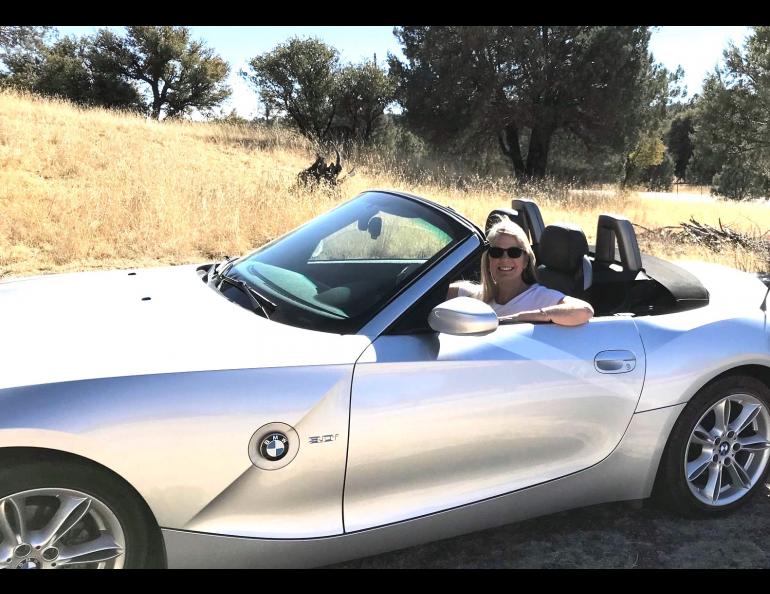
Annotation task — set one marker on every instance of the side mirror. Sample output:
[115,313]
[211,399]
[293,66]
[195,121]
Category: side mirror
[463,316]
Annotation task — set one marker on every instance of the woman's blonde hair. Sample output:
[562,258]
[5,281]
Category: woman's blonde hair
[506,227]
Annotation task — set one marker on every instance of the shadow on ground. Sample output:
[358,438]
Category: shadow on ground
[602,536]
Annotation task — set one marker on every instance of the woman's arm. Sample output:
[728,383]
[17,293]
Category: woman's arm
[454,290]
[568,312]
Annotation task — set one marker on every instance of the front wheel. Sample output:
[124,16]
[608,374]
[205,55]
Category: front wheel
[62,516]
[719,449]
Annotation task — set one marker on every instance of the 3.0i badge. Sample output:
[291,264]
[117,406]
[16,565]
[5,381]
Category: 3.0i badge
[274,447]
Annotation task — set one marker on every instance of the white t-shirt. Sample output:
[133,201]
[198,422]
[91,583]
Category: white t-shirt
[534,298]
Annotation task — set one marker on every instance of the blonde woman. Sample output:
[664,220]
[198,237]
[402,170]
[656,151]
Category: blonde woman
[509,283]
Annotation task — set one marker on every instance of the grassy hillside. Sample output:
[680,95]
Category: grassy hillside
[88,188]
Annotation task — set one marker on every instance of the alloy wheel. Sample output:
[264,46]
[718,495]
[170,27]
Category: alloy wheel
[59,529]
[728,450]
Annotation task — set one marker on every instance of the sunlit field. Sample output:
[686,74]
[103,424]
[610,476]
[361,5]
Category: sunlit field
[84,189]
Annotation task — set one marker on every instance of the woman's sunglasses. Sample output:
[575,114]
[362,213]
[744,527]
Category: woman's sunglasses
[497,252]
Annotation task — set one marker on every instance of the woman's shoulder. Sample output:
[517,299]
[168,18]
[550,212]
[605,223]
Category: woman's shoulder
[468,289]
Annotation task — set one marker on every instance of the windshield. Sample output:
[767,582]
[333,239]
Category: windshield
[338,270]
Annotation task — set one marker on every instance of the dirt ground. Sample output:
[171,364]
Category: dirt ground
[613,535]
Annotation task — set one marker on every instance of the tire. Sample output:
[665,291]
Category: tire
[74,516]
[711,468]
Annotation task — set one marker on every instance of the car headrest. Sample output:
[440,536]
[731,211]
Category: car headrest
[611,229]
[529,211]
[562,247]
[496,215]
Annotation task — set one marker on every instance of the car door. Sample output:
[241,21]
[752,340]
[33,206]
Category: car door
[438,421]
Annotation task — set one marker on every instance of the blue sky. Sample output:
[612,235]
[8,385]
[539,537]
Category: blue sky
[697,49]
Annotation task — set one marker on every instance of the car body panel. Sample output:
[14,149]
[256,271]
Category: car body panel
[456,419]
[181,440]
[685,350]
[105,329]
[628,473]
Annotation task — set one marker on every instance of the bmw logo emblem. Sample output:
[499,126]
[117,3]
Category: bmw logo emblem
[274,447]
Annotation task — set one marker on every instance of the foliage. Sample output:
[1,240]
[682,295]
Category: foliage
[732,137]
[22,51]
[304,80]
[650,165]
[739,181]
[363,92]
[65,68]
[182,74]
[107,70]
[68,71]
[460,85]
[232,117]
[299,78]
[679,142]
[571,161]
[660,177]
[649,152]
[15,39]
[393,139]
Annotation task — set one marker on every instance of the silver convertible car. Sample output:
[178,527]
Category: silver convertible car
[320,399]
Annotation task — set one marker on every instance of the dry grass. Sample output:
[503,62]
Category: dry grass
[88,188]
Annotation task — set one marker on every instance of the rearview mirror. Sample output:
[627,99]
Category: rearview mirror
[375,227]
[463,316]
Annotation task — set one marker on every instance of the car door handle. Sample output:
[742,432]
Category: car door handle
[615,362]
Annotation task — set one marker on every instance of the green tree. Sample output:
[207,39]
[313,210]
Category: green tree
[300,79]
[304,81]
[22,52]
[679,142]
[458,85]
[65,68]
[363,92]
[14,39]
[182,74]
[732,127]
[68,71]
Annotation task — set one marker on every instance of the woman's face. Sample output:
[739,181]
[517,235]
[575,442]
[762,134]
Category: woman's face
[506,269]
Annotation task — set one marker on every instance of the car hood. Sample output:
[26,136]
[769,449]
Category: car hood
[130,322]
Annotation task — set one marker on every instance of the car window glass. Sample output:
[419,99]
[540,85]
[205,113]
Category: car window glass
[385,237]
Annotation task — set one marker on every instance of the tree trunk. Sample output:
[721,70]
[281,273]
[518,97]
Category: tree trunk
[628,170]
[509,145]
[156,101]
[539,145]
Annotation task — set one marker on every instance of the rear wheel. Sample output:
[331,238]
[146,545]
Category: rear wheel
[718,453]
[67,516]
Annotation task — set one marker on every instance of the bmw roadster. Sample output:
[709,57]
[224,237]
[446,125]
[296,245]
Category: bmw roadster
[319,399]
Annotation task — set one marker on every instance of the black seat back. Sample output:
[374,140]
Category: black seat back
[563,263]
[529,212]
[499,214]
[612,229]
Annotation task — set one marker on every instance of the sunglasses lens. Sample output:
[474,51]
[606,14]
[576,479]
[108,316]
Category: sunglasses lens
[497,252]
